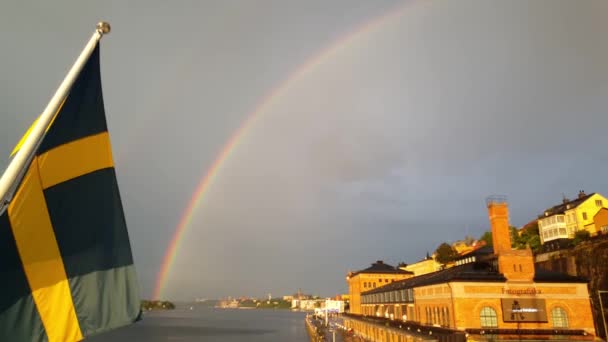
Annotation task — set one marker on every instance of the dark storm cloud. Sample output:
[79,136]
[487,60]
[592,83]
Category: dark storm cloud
[383,150]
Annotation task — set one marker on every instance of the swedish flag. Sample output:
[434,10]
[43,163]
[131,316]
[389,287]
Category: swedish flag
[65,260]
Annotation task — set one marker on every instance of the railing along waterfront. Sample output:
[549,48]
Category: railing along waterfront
[378,329]
[314,332]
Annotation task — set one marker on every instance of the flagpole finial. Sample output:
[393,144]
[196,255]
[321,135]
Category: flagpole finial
[103,27]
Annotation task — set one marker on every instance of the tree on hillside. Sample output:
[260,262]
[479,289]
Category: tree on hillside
[487,237]
[514,236]
[528,237]
[580,236]
[445,253]
[534,243]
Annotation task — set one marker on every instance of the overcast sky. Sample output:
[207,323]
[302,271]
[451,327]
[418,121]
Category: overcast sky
[384,149]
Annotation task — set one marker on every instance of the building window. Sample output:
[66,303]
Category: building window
[436,316]
[559,317]
[584,216]
[364,285]
[520,268]
[598,203]
[604,229]
[514,269]
[487,317]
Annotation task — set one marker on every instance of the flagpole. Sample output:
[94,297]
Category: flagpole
[22,157]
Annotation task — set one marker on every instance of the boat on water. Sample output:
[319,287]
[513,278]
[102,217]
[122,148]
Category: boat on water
[227,304]
[64,243]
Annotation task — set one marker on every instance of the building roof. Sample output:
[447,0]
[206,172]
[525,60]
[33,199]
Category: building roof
[566,205]
[528,226]
[466,272]
[473,272]
[380,267]
[484,250]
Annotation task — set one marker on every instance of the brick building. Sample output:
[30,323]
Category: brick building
[377,275]
[495,291]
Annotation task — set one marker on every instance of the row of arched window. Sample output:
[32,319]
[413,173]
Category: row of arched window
[489,319]
[437,316]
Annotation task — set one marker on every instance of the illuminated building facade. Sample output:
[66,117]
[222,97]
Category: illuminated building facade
[496,292]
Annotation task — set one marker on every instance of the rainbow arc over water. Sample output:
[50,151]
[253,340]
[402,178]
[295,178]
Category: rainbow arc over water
[211,175]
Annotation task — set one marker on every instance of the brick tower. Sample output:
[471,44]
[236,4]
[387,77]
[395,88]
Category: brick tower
[515,265]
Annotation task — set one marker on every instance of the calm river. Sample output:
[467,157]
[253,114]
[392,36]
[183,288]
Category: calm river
[209,324]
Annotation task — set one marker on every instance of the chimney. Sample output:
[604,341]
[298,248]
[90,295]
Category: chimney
[581,194]
[379,262]
[498,212]
[515,265]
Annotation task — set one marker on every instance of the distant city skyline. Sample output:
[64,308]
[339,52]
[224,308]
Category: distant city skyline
[380,149]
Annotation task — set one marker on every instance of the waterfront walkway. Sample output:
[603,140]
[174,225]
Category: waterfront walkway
[332,330]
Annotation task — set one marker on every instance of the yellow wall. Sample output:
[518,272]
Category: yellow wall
[590,208]
[601,219]
[423,267]
[433,305]
[357,284]
[458,305]
[470,298]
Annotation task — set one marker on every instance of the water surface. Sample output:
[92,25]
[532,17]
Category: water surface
[209,324]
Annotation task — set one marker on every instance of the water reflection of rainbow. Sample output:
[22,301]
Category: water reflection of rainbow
[233,142]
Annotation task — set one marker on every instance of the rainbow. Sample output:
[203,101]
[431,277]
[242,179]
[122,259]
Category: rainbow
[237,137]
